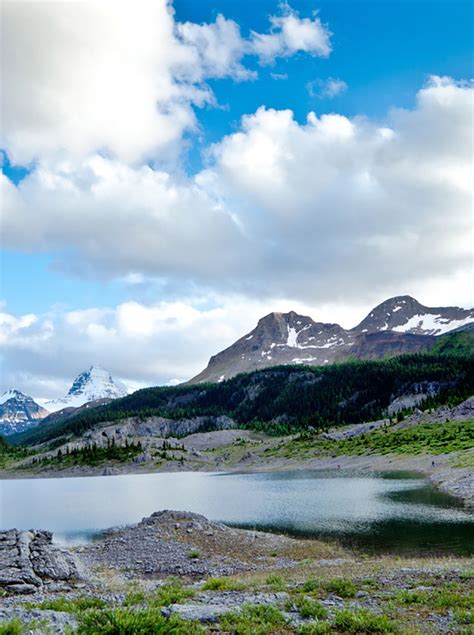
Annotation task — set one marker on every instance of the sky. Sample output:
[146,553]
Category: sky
[171,172]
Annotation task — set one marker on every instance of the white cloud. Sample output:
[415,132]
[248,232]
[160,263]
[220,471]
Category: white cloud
[326,88]
[121,78]
[335,206]
[141,344]
[219,47]
[291,34]
[93,75]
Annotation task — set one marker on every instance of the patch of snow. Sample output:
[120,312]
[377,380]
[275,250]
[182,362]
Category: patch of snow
[397,308]
[431,324]
[249,337]
[292,337]
[11,394]
[221,378]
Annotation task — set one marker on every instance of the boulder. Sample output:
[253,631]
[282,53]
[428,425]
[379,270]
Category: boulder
[29,562]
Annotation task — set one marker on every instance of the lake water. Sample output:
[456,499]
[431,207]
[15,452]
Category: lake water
[386,512]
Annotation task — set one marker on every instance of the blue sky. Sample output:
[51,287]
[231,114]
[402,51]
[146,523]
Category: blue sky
[66,244]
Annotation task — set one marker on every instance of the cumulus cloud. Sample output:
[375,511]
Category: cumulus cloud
[326,88]
[119,78]
[291,34]
[219,47]
[309,211]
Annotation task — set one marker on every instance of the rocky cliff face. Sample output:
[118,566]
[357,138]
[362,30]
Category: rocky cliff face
[398,325]
[19,412]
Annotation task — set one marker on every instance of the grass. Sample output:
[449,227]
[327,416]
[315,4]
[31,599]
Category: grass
[276,582]
[363,621]
[256,619]
[13,627]
[74,605]
[172,592]
[437,599]
[310,609]
[437,438]
[194,554]
[223,584]
[341,587]
[124,621]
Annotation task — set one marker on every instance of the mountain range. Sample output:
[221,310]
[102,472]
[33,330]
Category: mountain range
[398,325]
[19,412]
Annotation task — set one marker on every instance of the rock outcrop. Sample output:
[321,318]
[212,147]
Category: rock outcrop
[29,562]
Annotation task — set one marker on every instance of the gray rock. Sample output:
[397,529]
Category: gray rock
[39,621]
[206,614]
[30,561]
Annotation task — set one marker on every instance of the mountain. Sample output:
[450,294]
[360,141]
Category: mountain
[278,399]
[19,412]
[90,385]
[398,325]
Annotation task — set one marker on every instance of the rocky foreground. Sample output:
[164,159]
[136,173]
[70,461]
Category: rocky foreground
[177,572]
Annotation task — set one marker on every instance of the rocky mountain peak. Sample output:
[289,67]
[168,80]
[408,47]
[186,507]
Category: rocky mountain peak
[90,385]
[399,325]
[404,314]
[18,412]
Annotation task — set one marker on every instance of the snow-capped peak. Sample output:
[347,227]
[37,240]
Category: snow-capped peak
[90,385]
[11,394]
[19,412]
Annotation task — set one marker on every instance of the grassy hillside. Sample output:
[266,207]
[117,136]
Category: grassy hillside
[288,398]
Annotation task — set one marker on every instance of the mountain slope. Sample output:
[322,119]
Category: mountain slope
[90,385]
[288,397]
[19,412]
[398,325]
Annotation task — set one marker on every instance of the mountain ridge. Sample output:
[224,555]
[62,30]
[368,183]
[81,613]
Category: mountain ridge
[396,326]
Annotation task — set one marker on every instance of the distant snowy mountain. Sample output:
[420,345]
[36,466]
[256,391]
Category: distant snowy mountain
[90,385]
[19,412]
[398,325]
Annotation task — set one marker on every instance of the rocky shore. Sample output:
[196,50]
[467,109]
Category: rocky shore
[196,576]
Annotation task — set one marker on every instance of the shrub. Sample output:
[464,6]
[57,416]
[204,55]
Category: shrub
[254,619]
[276,582]
[363,621]
[14,627]
[222,584]
[122,621]
[70,605]
[311,609]
[343,588]
[172,592]
[194,554]
[311,585]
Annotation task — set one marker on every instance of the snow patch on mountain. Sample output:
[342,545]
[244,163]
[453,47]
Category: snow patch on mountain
[90,385]
[11,394]
[431,324]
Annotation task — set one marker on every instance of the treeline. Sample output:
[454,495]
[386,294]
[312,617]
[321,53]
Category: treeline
[92,454]
[288,398]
